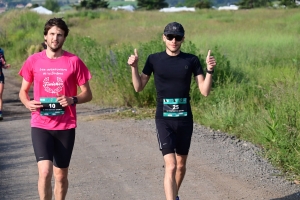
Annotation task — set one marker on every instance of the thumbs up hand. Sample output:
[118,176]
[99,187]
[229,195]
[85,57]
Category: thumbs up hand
[210,61]
[6,66]
[133,59]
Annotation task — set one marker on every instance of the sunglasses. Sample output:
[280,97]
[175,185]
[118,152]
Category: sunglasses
[171,37]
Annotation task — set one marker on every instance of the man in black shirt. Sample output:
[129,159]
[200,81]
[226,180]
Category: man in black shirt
[3,65]
[173,70]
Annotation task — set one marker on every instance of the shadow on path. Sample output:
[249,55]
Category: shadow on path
[295,196]
[17,164]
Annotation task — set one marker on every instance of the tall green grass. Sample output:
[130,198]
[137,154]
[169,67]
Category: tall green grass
[256,86]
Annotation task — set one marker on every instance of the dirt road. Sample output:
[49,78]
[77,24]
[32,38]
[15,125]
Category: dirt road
[119,159]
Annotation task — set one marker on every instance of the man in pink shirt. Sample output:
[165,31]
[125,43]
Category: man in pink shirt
[55,74]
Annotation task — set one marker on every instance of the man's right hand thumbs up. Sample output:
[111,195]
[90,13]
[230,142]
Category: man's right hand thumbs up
[133,59]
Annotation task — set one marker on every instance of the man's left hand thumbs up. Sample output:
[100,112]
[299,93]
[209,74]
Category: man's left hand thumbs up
[210,61]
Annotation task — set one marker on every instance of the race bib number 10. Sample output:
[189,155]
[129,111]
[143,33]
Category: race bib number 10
[176,107]
[51,107]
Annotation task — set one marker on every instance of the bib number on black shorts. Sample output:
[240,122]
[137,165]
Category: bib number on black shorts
[51,107]
[176,107]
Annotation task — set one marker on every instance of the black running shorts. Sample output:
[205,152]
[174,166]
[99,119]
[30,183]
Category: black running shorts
[174,136]
[54,145]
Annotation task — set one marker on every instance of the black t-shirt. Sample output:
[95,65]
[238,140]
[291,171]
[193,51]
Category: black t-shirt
[172,76]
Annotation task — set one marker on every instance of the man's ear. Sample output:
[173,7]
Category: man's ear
[164,38]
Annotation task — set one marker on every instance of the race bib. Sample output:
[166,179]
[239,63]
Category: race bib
[176,107]
[51,107]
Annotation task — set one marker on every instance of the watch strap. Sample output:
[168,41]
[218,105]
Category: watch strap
[210,71]
[75,100]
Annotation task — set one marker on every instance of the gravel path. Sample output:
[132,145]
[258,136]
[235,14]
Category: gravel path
[119,159]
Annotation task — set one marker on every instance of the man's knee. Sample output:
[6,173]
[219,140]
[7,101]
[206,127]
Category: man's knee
[181,162]
[45,174]
[181,166]
[170,163]
[61,175]
[61,179]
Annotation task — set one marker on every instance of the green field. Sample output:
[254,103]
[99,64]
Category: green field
[256,86]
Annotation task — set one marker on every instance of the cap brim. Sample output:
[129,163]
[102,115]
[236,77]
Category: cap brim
[173,33]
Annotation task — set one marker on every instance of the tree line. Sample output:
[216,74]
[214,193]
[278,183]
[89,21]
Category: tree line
[54,5]
[201,4]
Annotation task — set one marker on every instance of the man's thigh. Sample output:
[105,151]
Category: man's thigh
[184,135]
[63,147]
[42,142]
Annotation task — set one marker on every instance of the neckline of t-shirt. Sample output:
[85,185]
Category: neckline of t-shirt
[172,56]
[46,57]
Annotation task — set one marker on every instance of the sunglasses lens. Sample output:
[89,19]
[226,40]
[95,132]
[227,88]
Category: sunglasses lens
[171,37]
[178,38]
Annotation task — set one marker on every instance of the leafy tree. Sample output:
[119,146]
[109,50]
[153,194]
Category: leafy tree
[204,4]
[173,3]
[152,4]
[190,3]
[35,5]
[93,4]
[288,3]
[52,5]
[248,4]
[13,3]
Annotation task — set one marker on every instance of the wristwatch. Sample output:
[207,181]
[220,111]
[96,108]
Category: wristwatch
[209,72]
[75,100]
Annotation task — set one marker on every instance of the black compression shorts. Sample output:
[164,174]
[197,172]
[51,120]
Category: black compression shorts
[54,145]
[174,135]
[2,78]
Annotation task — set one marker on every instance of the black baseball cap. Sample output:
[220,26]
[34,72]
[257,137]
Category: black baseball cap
[174,28]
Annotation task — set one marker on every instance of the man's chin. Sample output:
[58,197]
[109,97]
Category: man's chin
[55,49]
[174,50]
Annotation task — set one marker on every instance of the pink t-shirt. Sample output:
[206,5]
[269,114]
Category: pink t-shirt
[51,77]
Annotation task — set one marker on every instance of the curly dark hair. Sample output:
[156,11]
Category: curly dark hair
[59,22]
[44,45]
